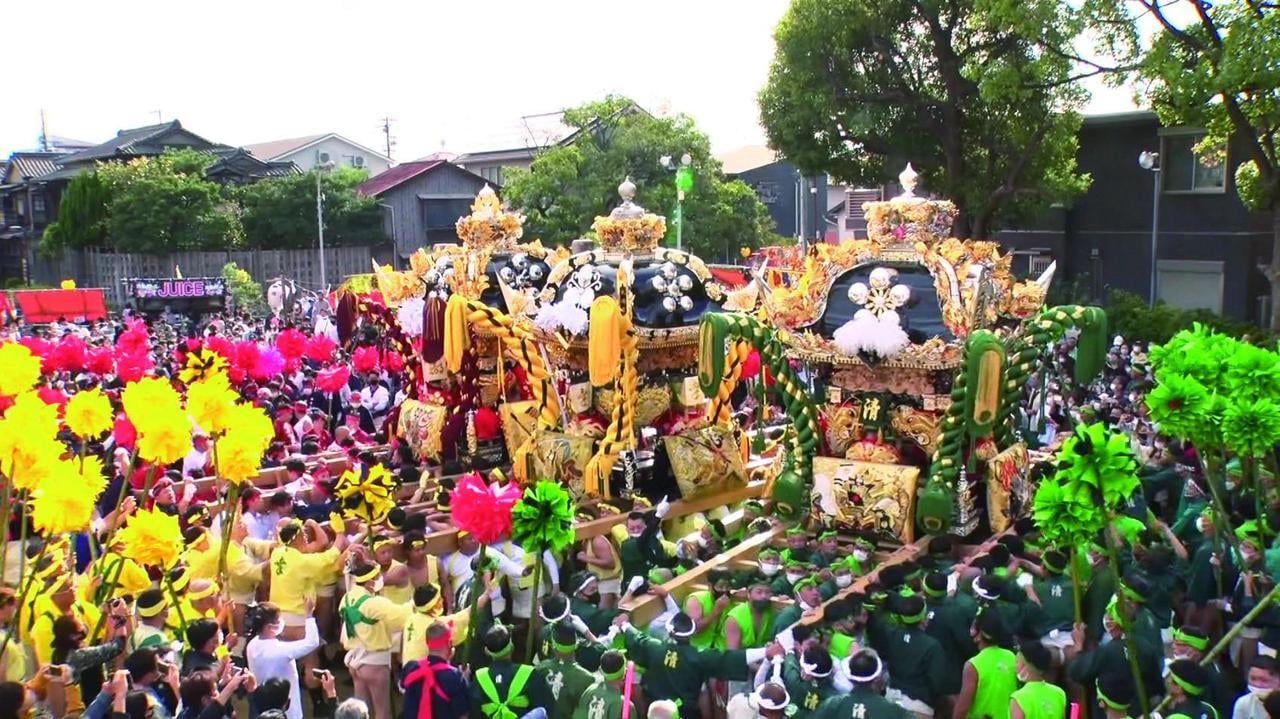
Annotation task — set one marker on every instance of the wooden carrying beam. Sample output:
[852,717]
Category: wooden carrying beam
[901,554]
[446,540]
[643,609]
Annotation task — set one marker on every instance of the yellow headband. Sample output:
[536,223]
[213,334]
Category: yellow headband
[181,582]
[368,576]
[431,606]
[382,541]
[148,612]
[198,594]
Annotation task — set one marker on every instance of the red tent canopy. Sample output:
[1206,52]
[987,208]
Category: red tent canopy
[42,306]
[730,278]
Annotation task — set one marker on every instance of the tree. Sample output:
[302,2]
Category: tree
[981,96]
[280,213]
[163,204]
[1221,71]
[82,216]
[567,186]
[245,293]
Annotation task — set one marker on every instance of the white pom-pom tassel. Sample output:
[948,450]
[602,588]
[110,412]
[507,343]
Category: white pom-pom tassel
[409,315]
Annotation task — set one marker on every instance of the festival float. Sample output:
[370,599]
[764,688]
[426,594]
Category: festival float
[920,345]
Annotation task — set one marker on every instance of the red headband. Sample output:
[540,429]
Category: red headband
[442,642]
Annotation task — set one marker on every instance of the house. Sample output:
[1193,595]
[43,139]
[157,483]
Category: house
[797,203]
[1209,245]
[315,150]
[517,144]
[31,187]
[421,201]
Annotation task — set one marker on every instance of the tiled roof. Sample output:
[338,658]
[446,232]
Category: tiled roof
[384,181]
[276,148]
[26,165]
[134,141]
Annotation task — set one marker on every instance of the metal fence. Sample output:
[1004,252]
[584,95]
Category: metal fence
[109,270]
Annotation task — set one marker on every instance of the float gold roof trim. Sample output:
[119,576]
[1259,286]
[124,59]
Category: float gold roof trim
[629,227]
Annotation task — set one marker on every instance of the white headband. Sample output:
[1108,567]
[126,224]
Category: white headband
[764,703]
[978,590]
[671,628]
[864,678]
[591,579]
[545,618]
[812,669]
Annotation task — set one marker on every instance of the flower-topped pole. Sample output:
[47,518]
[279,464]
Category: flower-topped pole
[542,520]
[1096,474]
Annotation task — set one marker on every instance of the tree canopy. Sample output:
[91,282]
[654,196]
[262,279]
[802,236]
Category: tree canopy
[1220,70]
[165,204]
[981,96]
[567,186]
[280,212]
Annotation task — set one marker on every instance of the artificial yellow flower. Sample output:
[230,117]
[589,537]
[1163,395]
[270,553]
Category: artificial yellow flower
[33,414]
[202,364]
[88,414]
[60,503]
[19,369]
[92,479]
[151,538]
[237,460]
[28,449]
[251,426]
[165,437]
[147,398]
[210,402]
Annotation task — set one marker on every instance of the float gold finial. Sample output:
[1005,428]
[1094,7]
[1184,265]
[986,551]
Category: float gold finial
[629,227]
[908,178]
[489,226]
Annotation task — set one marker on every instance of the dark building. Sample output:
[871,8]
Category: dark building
[797,203]
[421,201]
[1209,245]
[31,188]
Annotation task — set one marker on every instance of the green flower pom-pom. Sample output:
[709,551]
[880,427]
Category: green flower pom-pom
[1178,403]
[1252,372]
[1064,517]
[1096,464]
[543,518]
[1251,428]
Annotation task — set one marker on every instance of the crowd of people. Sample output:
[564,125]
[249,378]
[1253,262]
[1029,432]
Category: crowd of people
[295,611]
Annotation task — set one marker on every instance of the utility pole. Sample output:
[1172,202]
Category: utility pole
[386,133]
[44,132]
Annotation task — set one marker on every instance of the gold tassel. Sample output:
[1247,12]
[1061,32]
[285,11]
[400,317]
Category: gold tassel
[455,332]
[604,345]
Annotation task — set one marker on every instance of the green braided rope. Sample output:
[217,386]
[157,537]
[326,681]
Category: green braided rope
[718,328]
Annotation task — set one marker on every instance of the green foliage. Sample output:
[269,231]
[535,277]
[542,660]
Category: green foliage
[82,216]
[567,186]
[164,204]
[979,95]
[280,212]
[1131,318]
[245,293]
[1221,71]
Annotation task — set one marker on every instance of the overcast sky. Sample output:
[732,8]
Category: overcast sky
[241,72]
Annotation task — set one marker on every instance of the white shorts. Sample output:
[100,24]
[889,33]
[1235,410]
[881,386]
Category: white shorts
[913,706]
[1057,642]
[243,597]
[610,586]
[328,591]
[360,657]
[293,620]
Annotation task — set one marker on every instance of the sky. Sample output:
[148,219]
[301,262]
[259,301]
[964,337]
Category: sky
[456,76]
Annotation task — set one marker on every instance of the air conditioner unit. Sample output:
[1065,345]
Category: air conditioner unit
[358,161]
[324,157]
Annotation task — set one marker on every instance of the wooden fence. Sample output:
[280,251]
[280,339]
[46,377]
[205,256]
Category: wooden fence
[109,270]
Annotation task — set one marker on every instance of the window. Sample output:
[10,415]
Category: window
[492,175]
[37,203]
[1186,169]
[768,192]
[1191,284]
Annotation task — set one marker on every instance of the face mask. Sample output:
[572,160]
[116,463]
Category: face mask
[635,534]
[768,570]
[860,555]
[276,627]
[1022,677]
[1259,692]
[761,604]
[844,580]
[1178,656]
[793,577]
[377,585]
[702,541]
